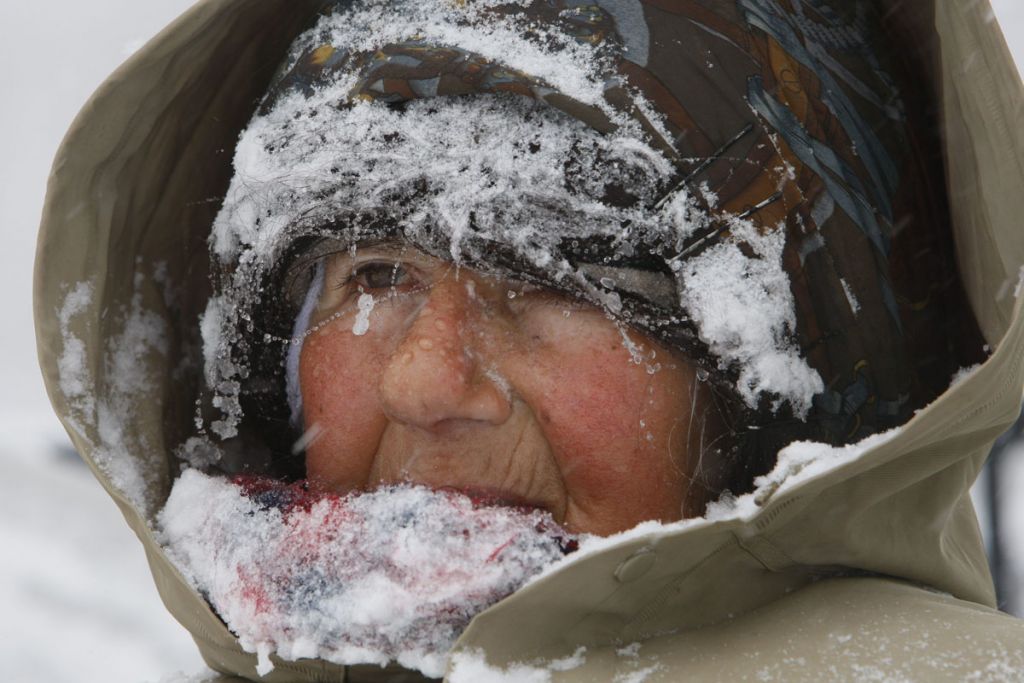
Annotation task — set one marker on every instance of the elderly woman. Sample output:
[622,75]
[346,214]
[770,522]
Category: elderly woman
[657,303]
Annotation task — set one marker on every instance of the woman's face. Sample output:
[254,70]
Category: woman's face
[503,391]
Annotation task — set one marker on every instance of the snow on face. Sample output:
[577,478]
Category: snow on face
[393,575]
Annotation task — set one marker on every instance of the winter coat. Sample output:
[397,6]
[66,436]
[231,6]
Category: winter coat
[865,566]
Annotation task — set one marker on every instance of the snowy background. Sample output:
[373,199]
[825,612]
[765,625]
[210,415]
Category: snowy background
[70,570]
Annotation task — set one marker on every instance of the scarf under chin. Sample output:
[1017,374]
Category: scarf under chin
[391,575]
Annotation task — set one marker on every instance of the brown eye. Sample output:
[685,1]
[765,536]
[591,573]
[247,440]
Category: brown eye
[381,275]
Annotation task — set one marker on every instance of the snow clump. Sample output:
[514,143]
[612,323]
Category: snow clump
[744,311]
[391,575]
[101,406]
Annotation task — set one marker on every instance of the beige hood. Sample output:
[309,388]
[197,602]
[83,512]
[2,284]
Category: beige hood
[136,186]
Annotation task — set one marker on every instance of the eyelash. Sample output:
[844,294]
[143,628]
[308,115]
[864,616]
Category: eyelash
[398,272]
[401,279]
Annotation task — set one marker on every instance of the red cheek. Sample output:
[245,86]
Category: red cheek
[593,412]
[339,389]
[593,401]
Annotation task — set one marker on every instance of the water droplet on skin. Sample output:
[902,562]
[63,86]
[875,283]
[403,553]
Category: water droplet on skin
[426,344]
[511,294]
[702,375]
[650,437]
[608,283]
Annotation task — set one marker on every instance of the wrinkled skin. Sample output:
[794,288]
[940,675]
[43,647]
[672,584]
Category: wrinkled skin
[497,389]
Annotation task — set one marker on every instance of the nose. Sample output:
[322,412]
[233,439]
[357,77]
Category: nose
[437,373]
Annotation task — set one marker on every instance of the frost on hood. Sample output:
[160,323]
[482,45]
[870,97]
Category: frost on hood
[103,409]
[502,183]
[472,667]
[72,366]
[392,575]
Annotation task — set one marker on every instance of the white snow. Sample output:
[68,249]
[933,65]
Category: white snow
[472,667]
[391,575]
[850,296]
[362,322]
[631,651]
[962,374]
[559,61]
[745,313]
[638,676]
[72,366]
[127,381]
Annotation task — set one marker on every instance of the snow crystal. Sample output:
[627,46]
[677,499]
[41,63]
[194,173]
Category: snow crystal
[638,676]
[631,651]
[362,323]
[308,162]
[850,297]
[803,460]
[199,452]
[555,58]
[962,374]
[472,667]
[127,379]
[744,310]
[308,438]
[573,661]
[72,365]
[394,574]
[500,382]
[143,332]
[121,454]
[211,322]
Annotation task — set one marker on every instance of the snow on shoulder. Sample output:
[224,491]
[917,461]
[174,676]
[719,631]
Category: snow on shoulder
[472,667]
